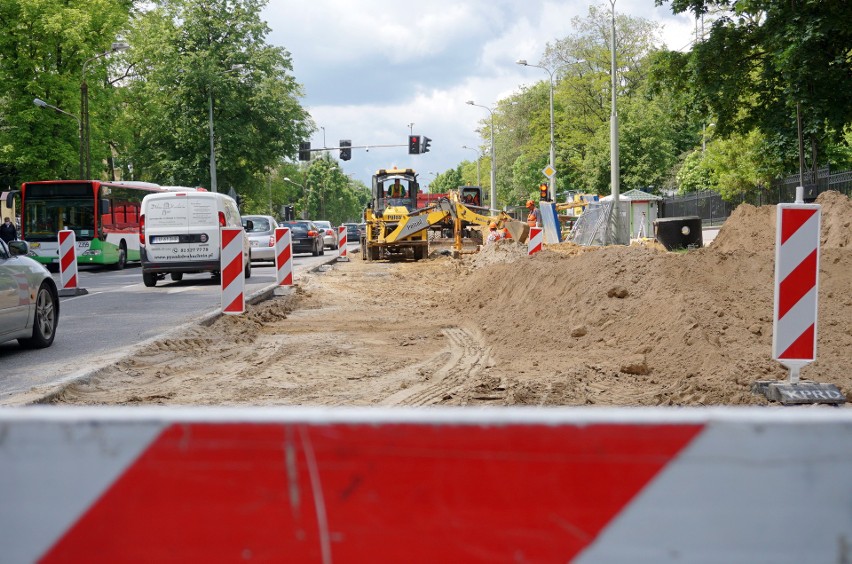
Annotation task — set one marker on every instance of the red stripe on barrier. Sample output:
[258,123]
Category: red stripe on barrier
[793,219]
[362,492]
[232,269]
[67,259]
[229,235]
[236,305]
[285,255]
[803,347]
[288,279]
[72,283]
[63,235]
[798,283]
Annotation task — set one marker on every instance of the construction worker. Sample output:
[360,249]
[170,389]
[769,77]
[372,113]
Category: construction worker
[396,190]
[494,234]
[534,218]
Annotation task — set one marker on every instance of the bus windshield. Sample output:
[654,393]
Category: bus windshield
[50,208]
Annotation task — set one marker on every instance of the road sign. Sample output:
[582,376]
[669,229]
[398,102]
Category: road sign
[549,171]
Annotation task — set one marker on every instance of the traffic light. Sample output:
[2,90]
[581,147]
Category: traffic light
[305,151]
[424,144]
[289,213]
[543,192]
[413,144]
[345,150]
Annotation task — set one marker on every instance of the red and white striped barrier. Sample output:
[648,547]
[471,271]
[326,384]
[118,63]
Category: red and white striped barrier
[341,242]
[284,256]
[794,334]
[445,485]
[536,240]
[67,260]
[233,271]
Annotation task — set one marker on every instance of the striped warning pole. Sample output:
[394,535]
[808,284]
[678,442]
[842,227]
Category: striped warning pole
[284,256]
[341,243]
[233,270]
[536,239]
[68,260]
[794,333]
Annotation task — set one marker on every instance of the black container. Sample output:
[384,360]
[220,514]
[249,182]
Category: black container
[679,232]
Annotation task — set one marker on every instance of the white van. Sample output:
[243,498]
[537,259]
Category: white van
[179,233]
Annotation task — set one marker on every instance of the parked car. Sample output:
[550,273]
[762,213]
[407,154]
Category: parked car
[29,314]
[353,232]
[306,237]
[329,235]
[261,236]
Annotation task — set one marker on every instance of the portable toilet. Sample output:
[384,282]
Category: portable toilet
[643,209]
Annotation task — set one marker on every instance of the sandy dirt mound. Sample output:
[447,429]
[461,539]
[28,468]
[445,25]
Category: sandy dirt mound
[570,326]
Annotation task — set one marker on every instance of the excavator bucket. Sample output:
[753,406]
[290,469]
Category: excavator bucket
[519,230]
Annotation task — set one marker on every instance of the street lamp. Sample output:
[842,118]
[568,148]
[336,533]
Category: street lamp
[304,188]
[493,158]
[613,145]
[42,104]
[478,157]
[552,184]
[84,105]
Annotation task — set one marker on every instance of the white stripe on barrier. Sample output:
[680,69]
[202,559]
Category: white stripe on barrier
[232,270]
[67,259]
[714,485]
[341,241]
[536,240]
[283,256]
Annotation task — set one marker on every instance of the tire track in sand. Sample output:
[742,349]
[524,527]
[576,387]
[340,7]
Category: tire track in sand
[468,357]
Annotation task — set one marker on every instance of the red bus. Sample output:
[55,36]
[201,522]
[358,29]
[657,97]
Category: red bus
[103,215]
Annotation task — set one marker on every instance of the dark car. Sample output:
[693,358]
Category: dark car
[306,237]
[353,232]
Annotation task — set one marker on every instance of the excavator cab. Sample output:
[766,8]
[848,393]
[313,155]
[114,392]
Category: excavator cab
[395,188]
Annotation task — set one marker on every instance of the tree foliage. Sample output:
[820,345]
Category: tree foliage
[204,64]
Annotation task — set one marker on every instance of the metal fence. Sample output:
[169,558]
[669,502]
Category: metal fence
[713,210]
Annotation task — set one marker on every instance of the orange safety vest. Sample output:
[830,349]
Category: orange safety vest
[532,219]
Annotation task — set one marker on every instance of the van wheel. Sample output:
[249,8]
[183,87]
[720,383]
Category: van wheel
[248,270]
[122,256]
[177,276]
[149,279]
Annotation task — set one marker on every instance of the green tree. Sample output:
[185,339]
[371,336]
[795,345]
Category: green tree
[764,58]
[194,56]
[43,47]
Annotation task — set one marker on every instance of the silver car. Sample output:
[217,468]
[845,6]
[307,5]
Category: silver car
[261,236]
[329,234]
[29,301]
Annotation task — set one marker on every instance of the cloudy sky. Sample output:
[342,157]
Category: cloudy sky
[370,68]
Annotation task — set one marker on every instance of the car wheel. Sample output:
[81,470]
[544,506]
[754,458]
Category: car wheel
[149,279]
[315,252]
[248,270]
[45,322]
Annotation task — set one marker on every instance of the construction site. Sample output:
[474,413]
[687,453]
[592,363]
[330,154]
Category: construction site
[620,325]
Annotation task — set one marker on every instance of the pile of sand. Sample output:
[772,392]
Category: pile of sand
[568,326]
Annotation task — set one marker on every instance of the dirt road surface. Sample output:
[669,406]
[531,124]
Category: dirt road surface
[616,326]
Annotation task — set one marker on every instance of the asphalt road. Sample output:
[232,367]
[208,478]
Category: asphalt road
[119,312]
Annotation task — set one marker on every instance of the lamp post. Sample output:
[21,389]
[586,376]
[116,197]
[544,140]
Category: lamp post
[613,145]
[493,158]
[42,104]
[478,156]
[304,188]
[84,106]
[552,180]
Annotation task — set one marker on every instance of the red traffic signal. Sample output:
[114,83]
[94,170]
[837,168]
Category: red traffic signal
[413,144]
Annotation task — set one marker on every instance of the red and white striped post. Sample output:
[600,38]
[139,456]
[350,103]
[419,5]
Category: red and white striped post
[536,240]
[341,242]
[284,256]
[794,330]
[233,270]
[67,260]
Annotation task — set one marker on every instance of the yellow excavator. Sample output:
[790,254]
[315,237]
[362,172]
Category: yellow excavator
[397,227]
